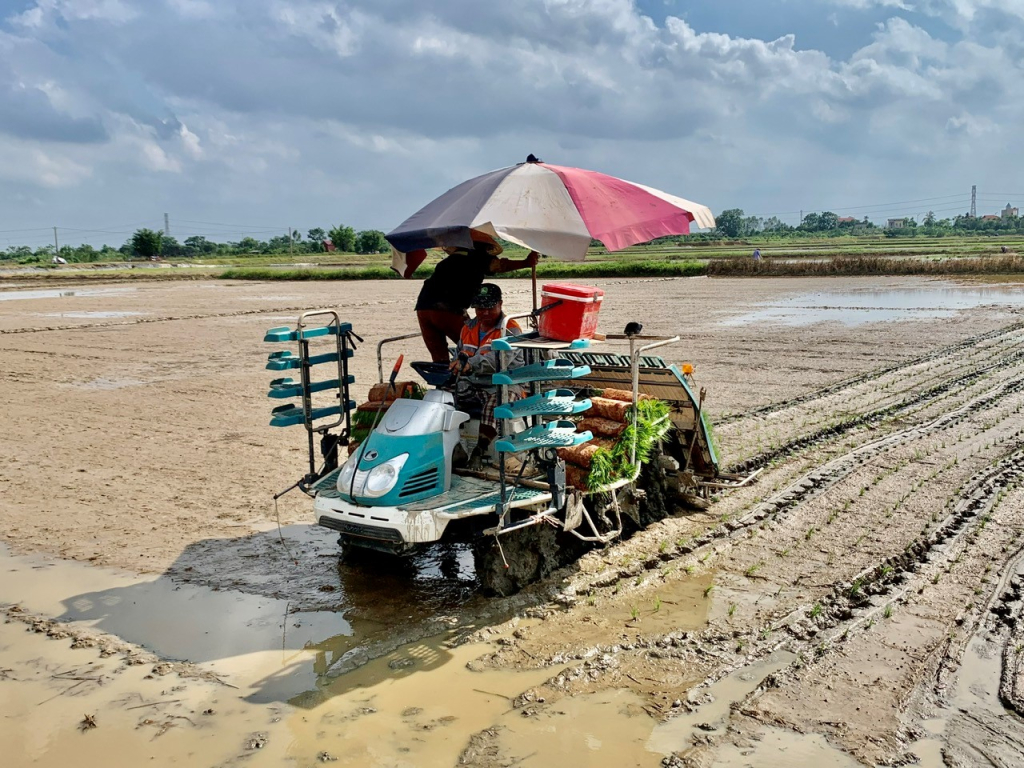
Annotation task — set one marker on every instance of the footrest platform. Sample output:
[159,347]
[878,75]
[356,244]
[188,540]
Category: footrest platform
[557,434]
[557,402]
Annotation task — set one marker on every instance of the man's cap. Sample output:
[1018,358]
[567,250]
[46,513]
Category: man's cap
[487,297]
[482,243]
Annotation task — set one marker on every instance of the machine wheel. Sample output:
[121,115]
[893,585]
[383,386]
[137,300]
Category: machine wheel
[345,548]
[654,501]
[532,553]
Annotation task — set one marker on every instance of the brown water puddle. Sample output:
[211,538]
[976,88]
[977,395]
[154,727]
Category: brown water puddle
[47,689]
[677,733]
[779,748]
[606,728]
[290,693]
[415,707]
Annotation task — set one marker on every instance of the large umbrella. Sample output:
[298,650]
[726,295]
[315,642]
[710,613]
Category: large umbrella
[551,209]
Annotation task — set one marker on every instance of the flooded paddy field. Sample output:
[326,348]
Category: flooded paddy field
[858,604]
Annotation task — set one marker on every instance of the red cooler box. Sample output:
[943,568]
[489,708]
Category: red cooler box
[576,316]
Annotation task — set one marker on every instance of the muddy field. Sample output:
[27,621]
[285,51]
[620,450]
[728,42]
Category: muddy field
[858,604]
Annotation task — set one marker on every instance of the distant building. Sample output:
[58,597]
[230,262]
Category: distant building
[896,223]
[847,220]
[990,217]
[1010,213]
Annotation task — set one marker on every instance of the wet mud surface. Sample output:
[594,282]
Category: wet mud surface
[858,604]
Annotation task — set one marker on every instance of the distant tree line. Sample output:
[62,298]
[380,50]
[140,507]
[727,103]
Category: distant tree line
[151,244]
[733,224]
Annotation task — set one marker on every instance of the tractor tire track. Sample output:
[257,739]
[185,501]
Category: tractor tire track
[873,417]
[840,386]
[811,631]
[808,485]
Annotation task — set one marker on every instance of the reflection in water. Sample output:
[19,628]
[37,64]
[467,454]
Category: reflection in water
[93,315]
[57,293]
[871,305]
[262,643]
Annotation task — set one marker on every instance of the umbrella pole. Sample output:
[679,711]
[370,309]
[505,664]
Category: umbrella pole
[533,276]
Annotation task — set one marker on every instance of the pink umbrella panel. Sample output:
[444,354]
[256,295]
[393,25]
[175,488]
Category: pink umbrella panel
[552,209]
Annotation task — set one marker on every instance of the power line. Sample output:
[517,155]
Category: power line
[221,224]
[862,207]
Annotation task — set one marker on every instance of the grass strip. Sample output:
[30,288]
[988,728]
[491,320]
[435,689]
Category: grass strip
[662,268]
[868,265]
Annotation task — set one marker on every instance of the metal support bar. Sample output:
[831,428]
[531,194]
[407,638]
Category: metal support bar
[307,400]
[380,357]
[548,516]
[601,538]
[634,366]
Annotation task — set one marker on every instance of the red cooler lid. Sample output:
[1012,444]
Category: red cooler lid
[571,289]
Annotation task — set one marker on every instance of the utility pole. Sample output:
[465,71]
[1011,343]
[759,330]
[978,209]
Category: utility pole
[974,201]
[56,245]
[291,241]
[167,226]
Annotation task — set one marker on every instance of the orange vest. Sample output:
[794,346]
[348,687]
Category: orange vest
[474,342]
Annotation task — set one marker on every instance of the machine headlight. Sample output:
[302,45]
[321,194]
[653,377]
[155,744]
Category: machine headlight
[383,477]
[347,470]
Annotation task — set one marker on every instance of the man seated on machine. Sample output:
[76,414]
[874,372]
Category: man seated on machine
[477,361]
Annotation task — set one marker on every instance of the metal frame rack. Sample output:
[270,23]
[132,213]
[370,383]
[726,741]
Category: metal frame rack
[304,412]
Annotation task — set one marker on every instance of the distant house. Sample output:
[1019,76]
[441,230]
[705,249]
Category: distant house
[847,220]
[328,245]
[990,217]
[1009,212]
[896,223]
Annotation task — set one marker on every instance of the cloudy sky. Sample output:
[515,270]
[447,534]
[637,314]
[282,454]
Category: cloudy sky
[250,116]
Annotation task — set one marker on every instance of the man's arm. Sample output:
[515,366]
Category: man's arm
[500,266]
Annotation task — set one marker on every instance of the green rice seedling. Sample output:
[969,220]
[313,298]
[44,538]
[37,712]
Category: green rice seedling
[634,613]
[856,587]
[887,613]
[707,590]
[810,532]
[816,611]
[732,609]
[749,573]
[663,547]
[657,604]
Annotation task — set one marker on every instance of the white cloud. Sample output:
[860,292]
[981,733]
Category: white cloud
[956,12]
[21,162]
[193,9]
[46,11]
[190,141]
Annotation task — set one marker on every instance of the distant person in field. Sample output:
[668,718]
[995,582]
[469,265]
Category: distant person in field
[757,254]
[447,294]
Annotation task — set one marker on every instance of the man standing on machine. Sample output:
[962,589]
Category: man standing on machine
[441,305]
